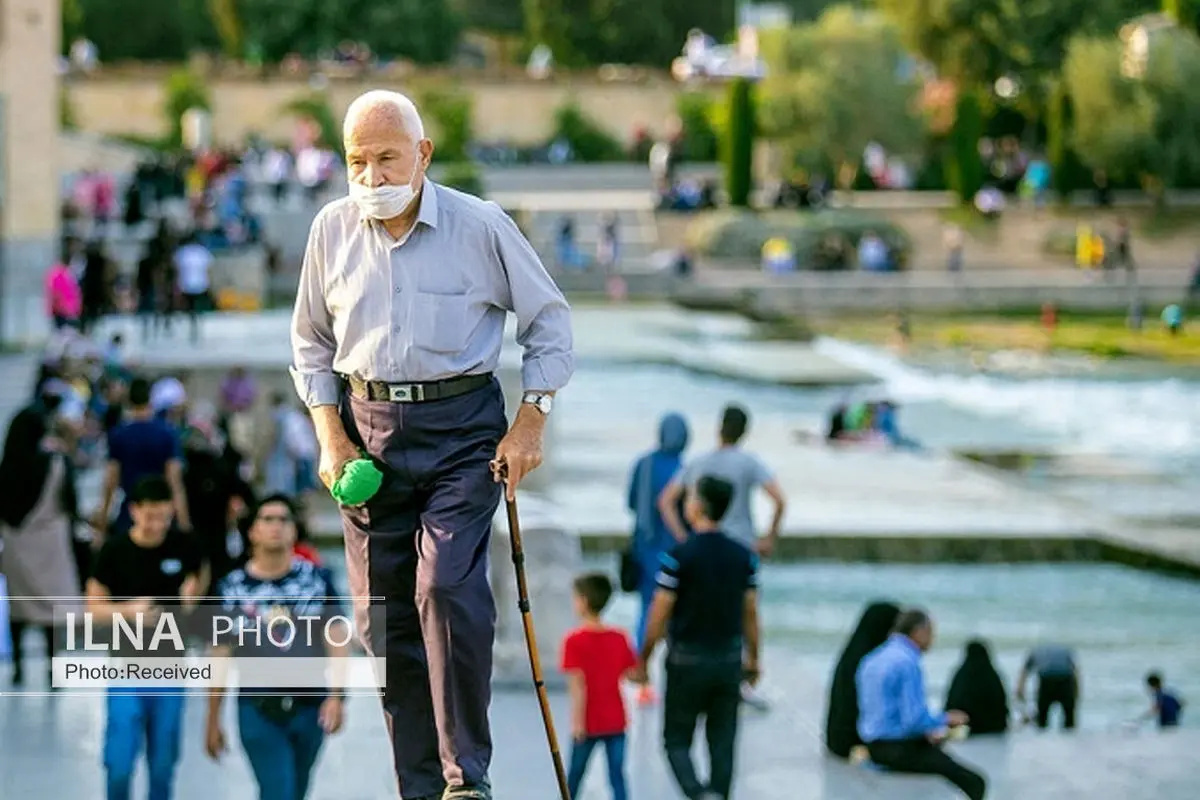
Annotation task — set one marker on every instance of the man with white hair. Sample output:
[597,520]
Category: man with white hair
[397,330]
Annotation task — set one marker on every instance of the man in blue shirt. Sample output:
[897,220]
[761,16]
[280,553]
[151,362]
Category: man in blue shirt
[894,720]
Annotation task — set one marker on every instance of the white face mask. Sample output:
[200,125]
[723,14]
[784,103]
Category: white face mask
[384,202]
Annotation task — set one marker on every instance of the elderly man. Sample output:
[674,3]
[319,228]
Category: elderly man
[396,335]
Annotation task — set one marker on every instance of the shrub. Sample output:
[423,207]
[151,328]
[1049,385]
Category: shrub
[451,112]
[964,170]
[739,235]
[463,176]
[66,112]
[695,110]
[184,91]
[589,142]
[316,107]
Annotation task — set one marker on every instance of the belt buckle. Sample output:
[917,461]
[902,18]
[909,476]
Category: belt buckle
[406,393]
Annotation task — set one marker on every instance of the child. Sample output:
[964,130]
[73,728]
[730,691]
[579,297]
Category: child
[1166,705]
[595,657]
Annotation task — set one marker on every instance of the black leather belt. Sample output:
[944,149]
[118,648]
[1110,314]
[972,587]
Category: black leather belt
[416,392]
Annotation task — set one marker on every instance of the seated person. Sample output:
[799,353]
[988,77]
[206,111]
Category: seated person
[894,720]
[978,691]
[841,722]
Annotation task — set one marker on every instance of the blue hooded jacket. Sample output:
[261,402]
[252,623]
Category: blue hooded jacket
[651,474]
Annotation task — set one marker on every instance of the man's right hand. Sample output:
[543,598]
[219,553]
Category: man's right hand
[334,456]
[957,719]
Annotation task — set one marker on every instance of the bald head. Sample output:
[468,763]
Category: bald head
[385,141]
[383,108]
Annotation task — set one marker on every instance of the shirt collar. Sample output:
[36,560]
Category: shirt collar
[906,644]
[428,212]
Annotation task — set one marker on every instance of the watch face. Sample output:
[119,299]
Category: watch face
[542,402]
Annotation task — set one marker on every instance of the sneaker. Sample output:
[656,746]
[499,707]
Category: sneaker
[753,699]
[482,792]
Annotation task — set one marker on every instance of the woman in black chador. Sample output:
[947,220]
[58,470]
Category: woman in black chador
[841,726]
[978,690]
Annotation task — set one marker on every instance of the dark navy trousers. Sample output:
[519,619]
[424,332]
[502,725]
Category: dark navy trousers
[420,547]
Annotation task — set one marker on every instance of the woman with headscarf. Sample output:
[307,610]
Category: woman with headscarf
[841,725]
[37,515]
[651,538]
[978,690]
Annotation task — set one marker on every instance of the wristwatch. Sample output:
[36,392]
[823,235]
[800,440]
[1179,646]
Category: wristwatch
[540,400]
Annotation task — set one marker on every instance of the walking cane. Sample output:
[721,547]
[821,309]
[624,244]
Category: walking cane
[535,663]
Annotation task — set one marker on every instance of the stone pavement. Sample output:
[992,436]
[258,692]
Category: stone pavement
[52,746]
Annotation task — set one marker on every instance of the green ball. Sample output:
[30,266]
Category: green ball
[359,482]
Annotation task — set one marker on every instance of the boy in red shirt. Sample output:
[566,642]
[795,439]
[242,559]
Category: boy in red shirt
[595,657]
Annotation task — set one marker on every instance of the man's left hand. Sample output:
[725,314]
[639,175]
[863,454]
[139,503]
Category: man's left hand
[519,452]
[331,715]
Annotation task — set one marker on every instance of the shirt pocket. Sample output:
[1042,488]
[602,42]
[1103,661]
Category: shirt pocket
[442,322]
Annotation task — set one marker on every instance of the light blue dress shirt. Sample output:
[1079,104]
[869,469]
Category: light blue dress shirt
[426,307]
[891,694]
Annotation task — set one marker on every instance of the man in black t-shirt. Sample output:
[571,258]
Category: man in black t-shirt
[706,606]
[154,566]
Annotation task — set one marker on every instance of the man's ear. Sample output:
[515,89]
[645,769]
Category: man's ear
[426,148]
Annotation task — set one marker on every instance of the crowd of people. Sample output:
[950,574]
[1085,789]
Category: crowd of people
[198,500]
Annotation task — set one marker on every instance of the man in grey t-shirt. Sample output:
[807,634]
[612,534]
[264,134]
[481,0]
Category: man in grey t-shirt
[745,471]
[1058,682]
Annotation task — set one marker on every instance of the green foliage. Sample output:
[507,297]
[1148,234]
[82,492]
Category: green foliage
[224,14]
[964,168]
[66,113]
[975,42]
[651,32]
[1114,116]
[835,86]
[506,17]
[1185,12]
[184,90]
[463,176]
[738,234]
[451,114]
[589,142]
[423,30]
[315,107]
[126,30]
[738,152]
[695,110]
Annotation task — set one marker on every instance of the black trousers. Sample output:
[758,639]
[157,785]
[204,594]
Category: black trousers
[709,686]
[1057,690]
[921,757]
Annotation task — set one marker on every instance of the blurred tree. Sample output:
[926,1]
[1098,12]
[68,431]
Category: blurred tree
[72,23]
[422,30]
[964,167]
[1184,12]
[738,146]
[978,41]
[228,25]
[494,16]
[451,112]
[1137,124]
[835,86]
[125,30]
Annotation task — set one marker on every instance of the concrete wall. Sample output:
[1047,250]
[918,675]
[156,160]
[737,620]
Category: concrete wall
[518,111]
[29,46]
[817,293]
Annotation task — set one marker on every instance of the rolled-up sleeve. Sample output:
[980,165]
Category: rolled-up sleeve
[313,343]
[543,316]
